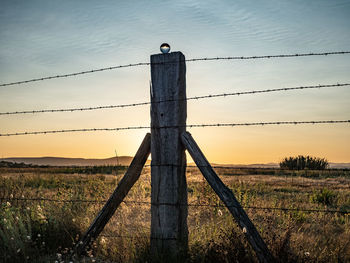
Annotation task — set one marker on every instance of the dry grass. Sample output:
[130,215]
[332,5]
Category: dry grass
[292,236]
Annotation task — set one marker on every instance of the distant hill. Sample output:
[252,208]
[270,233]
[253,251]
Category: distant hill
[339,165]
[59,161]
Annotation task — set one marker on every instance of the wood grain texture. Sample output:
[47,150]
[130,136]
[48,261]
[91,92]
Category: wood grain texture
[169,233]
[227,196]
[124,186]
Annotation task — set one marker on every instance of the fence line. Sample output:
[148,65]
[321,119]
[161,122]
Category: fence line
[250,92]
[296,209]
[188,60]
[271,56]
[204,125]
[229,166]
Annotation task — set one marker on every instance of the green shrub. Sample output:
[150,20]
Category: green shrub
[324,196]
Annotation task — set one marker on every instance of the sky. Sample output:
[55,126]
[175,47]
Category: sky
[41,38]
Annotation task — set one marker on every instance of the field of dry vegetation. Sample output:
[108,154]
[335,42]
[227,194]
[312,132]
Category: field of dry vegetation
[44,211]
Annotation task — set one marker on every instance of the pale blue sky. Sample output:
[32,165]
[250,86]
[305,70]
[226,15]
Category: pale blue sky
[42,38]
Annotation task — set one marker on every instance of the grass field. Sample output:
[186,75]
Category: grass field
[37,230]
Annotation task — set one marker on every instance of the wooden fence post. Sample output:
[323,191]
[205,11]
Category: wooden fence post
[169,233]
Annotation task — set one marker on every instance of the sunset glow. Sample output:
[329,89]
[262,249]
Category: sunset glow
[50,38]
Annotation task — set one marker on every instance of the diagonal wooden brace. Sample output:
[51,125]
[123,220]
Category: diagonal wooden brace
[129,179]
[229,199]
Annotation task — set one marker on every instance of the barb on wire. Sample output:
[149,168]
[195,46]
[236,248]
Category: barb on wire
[170,100]
[172,204]
[188,60]
[179,126]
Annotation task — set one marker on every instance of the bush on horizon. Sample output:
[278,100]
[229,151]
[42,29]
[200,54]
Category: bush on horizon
[301,162]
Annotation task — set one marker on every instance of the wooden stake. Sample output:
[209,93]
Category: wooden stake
[169,233]
[229,200]
[129,179]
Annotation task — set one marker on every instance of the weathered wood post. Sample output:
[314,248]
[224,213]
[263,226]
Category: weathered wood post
[169,233]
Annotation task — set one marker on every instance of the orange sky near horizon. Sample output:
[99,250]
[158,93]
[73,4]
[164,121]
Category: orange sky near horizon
[240,145]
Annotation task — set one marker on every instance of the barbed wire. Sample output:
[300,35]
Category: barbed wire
[148,166]
[270,56]
[124,236]
[74,74]
[187,60]
[238,167]
[178,126]
[293,209]
[171,100]
[76,130]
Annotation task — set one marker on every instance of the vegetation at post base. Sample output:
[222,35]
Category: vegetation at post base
[304,162]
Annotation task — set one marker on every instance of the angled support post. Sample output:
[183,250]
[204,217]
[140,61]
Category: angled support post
[226,195]
[124,186]
[169,233]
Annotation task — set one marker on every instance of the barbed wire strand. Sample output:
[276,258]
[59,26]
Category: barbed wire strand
[179,126]
[270,56]
[124,236]
[9,199]
[171,100]
[148,166]
[238,167]
[187,60]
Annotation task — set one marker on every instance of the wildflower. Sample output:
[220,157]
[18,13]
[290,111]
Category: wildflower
[80,242]
[73,219]
[28,208]
[244,230]
[43,243]
[12,238]
[18,250]
[22,196]
[28,237]
[8,203]
[39,235]
[17,218]
[219,212]
[59,256]
[307,253]
[103,240]
[40,213]
[11,195]
[5,220]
